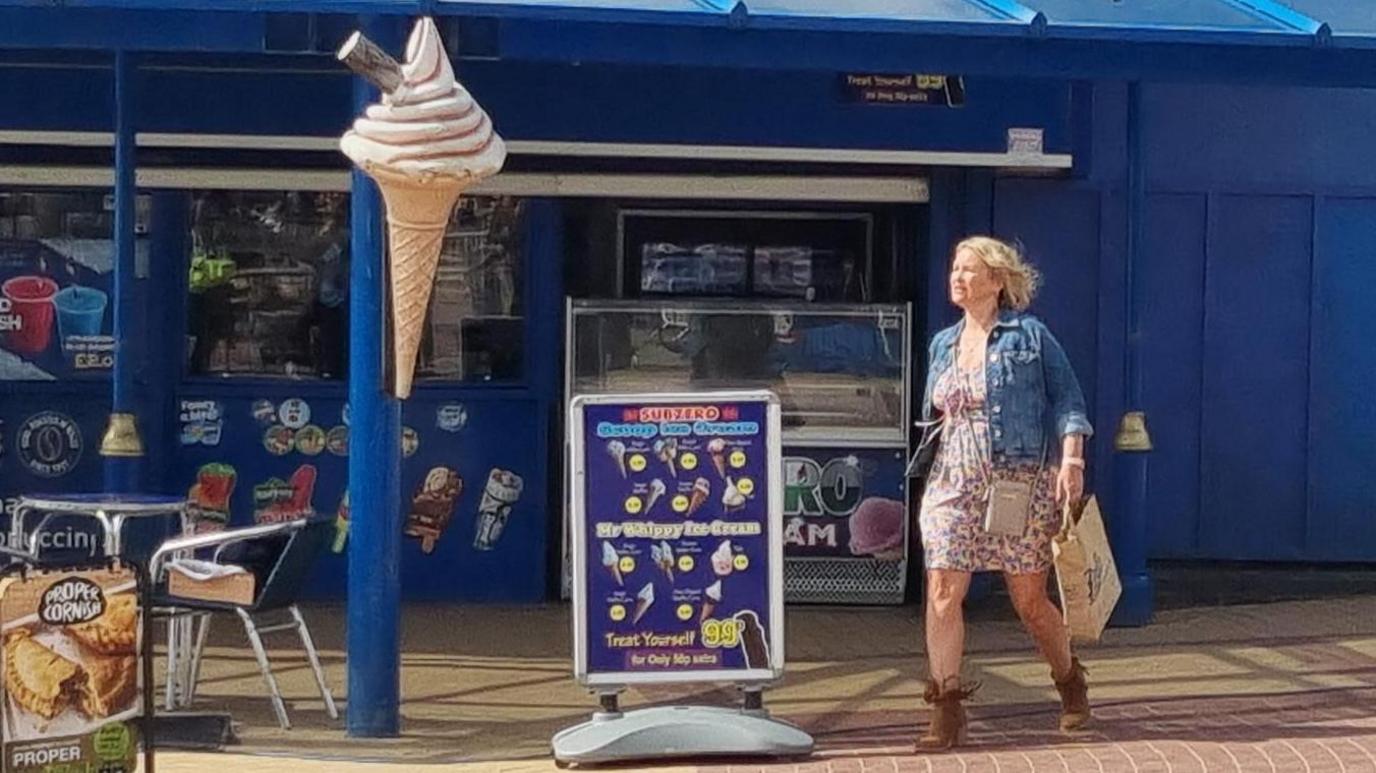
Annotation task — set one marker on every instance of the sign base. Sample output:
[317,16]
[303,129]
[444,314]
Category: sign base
[679,731]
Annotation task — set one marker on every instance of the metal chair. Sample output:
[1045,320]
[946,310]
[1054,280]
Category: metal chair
[284,575]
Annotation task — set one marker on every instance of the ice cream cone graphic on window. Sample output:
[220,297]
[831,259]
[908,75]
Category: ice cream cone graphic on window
[424,144]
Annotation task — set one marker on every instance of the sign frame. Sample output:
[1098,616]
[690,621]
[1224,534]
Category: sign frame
[578,519]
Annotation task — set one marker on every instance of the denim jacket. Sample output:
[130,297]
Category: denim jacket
[1033,395]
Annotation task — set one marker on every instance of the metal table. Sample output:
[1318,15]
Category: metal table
[111,510]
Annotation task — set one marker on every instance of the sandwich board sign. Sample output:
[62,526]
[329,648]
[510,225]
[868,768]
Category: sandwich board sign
[677,524]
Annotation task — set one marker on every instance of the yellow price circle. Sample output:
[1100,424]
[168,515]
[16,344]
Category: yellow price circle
[617,613]
[634,505]
[626,565]
[688,461]
[685,563]
[746,486]
[685,611]
[737,459]
[680,504]
[741,562]
[637,462]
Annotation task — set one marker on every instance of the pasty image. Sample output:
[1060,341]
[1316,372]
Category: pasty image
[66,678]
[113,633]
[37,679]
[109,686]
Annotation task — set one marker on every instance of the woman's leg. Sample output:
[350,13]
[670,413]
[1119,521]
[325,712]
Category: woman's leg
[945,619]
[1042,619]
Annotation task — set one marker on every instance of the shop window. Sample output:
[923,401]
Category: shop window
[268,284]
[57,257]
[475,328]
[815,256]
[269,275]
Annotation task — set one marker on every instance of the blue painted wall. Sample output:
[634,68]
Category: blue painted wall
[589,103]
[1257,258]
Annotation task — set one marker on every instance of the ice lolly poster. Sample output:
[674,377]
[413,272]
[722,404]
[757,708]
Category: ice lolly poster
[676,502]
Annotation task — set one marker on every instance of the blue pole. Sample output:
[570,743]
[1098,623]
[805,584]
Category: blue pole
[121,446]
[374,603]
[1128,520]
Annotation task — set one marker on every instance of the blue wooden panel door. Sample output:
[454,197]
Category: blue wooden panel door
[1172,276]
[1256,377]
[1342,499]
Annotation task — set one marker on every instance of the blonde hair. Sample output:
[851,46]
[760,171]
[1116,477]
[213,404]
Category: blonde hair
[1020,279]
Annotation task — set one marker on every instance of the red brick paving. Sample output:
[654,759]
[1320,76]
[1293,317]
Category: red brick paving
[1325,731]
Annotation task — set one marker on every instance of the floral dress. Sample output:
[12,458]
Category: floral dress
[954,502]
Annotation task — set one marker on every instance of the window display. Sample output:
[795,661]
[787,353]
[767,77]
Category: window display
[840,370]
[815,256]
[475,327]
[269,279]
[268,282]
[57,256]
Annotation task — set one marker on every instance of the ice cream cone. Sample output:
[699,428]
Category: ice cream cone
[701,491]
[616,574]
[708,607]
[719,461]
[418,211]
[641,606]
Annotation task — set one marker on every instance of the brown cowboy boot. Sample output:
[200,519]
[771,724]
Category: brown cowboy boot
[1074,697]
[947,726]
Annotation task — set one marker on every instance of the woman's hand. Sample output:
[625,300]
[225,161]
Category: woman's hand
[1070,484]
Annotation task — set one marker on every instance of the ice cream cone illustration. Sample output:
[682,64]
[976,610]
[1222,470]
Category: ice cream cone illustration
[501,493]
[657,489]
[723,559]
[711,598]
[666,560]
[617,450]
[341,524]
[611,561]
[424,144]
[717,450]
[643,600]
[667,451]
[701,491]
[732,498]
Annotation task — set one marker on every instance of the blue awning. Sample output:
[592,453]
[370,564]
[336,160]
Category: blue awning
[1315,42]
[1266,22]
[1352,22]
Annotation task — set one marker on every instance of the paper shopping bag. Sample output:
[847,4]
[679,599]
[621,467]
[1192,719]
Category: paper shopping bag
[1086,574]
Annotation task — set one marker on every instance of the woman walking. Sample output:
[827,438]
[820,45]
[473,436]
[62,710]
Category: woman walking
[1011,450]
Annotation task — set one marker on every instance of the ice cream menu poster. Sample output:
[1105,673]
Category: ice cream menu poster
[676,544]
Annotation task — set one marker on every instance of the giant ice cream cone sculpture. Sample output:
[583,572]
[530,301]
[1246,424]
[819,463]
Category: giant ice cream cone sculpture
[424,144]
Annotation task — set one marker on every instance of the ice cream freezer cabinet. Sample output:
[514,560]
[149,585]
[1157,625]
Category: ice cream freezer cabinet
[842,373]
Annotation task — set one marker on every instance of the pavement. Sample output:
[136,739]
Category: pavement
[1278,686]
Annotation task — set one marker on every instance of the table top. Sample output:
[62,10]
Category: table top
[110,504]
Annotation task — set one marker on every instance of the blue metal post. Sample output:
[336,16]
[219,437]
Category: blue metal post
[1128,518]
[374,603]
[121,446]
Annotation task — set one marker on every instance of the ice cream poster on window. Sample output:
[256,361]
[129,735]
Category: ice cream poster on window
[844,503]
[678,562]
[71,671]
